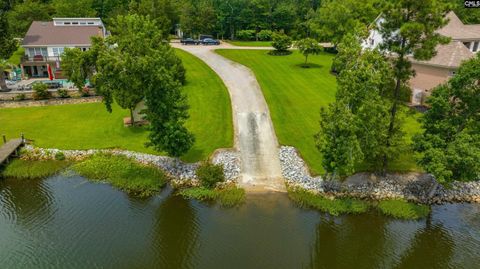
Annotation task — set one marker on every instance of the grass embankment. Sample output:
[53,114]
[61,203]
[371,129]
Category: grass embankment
[295,95]
[402,209]
[123,173]
[90,126]
[227,197]
[28,169]
[397,208]
[251,43]
[333,206]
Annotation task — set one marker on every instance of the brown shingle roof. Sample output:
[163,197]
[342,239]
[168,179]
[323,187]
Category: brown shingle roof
[45,33]
[450,55]
[459,31]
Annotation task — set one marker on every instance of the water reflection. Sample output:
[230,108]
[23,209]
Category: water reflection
[432,247]
[176,233]
[343,241]
[72,223]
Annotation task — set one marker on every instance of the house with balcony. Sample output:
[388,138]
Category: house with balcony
[45,42]
[464,44]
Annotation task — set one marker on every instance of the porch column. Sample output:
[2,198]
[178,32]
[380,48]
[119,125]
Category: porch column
[23,71]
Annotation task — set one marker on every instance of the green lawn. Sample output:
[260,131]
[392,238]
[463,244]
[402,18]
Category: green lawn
[85,126]
[251,43]
[295,95]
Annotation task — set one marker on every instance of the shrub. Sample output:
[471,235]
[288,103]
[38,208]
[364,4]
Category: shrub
[20,97]
[246,34]
[40,91]
[402,209]
[281,42]
[59,156]
[63,93]
[210,174]
[265,35]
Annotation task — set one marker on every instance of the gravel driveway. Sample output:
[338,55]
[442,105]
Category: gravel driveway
[255,137]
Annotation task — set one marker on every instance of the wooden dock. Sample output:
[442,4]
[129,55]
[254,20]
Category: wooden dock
[9,148]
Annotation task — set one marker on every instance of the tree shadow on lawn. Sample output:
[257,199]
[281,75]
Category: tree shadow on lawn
[309,65]
[137,129]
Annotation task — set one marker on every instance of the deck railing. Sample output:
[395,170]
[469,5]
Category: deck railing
[41,58]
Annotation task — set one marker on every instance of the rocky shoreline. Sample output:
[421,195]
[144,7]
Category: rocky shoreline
[183,173]
[414,187]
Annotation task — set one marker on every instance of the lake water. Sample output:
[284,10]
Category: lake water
[71,223]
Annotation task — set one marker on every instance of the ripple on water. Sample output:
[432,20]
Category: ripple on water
[70,223]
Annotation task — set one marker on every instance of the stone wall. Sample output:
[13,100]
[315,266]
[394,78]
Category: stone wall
[48,102]
[415,187]
[10,96]
[183,173]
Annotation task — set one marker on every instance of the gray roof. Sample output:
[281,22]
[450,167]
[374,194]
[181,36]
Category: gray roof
[450,55]
[45,33]
[459,31]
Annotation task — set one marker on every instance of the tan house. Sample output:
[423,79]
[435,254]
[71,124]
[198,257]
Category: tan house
[45,42]
[465,43]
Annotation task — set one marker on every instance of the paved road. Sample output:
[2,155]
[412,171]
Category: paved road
[254,133]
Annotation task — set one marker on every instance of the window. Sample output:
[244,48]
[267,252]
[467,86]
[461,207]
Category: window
[90,22]
[83,23]
[75,23]
[372,41]
[57,51]
[66,23]
[475,46]
[37,51]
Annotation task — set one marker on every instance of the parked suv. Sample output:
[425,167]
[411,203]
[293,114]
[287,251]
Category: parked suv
[210,41]
[189,41]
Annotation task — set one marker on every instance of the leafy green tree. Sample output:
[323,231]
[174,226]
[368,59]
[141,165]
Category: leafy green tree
[467,15]
[121,61]
[337,140]
[283,17]
[361,113]
[77,8]
[335,18]
[257,11]
[7,44]
[167,112]
[78,65]
[165,12]
[449,146]
[23,14]
[198,17]
[107,9]
[281,42]
[136,64]
[308,46]
[409,27]
[348,49]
